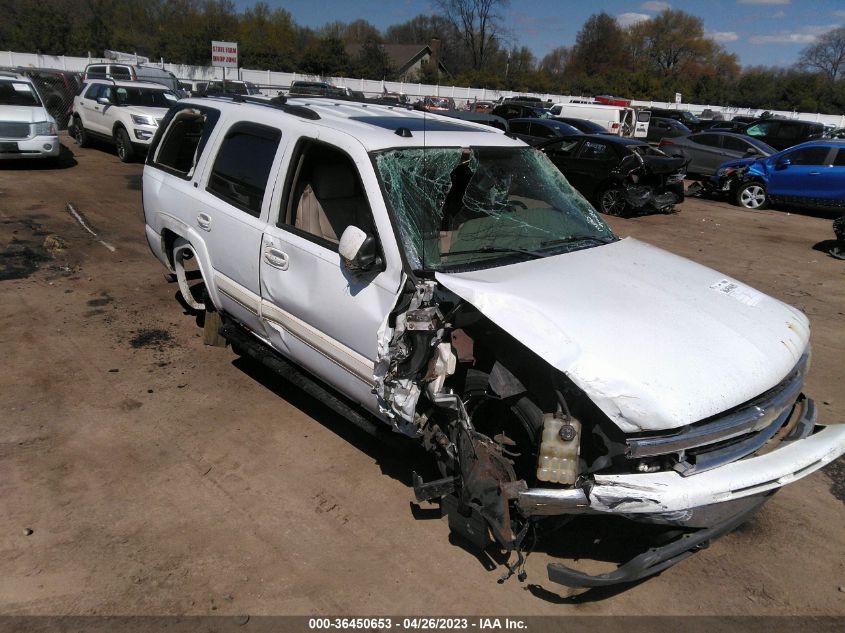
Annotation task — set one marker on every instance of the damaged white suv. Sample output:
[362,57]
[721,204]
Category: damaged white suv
[445,281]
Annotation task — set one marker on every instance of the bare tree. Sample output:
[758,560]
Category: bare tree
[827,55]
[480,23]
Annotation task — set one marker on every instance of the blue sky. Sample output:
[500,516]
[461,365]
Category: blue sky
[768,32]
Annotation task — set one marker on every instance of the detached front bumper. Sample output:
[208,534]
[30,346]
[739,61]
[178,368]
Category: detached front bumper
[35,147]
[715,501]
[668,497]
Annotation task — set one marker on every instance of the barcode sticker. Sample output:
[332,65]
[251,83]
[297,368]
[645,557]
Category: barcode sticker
[738,291]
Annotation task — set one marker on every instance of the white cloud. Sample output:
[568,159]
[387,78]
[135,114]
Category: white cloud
[839,14]
[629,19]
[764,1]
[779,14]
[722,36]
[654,5]
[804,35]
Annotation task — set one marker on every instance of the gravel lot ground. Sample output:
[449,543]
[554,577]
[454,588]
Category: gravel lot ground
[159,476]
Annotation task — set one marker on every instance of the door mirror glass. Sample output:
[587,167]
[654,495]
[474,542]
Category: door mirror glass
[358,250]
[783,163]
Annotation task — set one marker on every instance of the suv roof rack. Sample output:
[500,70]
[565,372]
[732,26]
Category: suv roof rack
[278,103]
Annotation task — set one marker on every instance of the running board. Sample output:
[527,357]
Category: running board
[258,351]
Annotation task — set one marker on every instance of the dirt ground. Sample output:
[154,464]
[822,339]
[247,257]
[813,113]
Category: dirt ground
[159,476]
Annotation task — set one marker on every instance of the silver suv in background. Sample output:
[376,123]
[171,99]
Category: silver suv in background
[27,130]
[125,113]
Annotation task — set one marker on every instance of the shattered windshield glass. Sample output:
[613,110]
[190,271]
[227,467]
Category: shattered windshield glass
[483,206]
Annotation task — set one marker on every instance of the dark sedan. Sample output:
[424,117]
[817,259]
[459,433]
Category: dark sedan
[591,164]
[583,125]
[536,131]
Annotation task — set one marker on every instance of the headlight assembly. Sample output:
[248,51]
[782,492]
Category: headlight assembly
[44,128]
[143,119]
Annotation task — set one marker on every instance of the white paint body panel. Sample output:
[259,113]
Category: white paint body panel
[641,331]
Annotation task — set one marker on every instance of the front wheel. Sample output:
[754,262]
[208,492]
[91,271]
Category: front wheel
[79,133]
[612,201]
[752,195]
[124,145]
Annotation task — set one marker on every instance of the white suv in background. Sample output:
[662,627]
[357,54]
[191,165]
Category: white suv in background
[126,113]
[26,128]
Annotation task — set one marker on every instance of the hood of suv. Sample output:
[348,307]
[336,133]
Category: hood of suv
[655,341]
[156,113]
[24,114]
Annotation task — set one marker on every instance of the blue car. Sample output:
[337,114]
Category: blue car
[810,174]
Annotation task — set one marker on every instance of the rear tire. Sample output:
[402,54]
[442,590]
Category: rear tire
[124,146]
[752,195]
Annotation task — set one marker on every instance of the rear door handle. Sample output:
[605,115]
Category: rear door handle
[276,258]
[204,221]
[815,173]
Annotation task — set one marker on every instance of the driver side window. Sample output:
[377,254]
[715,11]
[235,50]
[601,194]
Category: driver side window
[325,195]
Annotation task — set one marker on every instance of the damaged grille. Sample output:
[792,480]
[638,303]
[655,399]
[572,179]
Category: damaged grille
[13,129]
[728,436]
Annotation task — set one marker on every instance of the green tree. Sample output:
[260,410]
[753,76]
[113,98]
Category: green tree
[325,57]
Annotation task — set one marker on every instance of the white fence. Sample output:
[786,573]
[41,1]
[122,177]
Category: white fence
[274,82]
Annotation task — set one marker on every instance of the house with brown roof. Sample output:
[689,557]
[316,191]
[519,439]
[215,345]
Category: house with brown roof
[408,60]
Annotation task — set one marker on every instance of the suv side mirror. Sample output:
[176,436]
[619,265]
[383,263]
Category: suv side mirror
[358,250]
[104,101]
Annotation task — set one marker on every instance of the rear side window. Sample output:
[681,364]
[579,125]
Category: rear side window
[710,140]
[540,130]
[788,132]
[594,150]
[186,133]
[736,144]
[243,164]
[519,127]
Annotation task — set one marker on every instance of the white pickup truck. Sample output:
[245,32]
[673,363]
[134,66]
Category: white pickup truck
[440,279]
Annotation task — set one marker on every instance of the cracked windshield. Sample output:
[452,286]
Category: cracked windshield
[485,206]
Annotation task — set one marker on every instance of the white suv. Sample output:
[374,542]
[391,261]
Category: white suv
[443,280]
[26,128]
[126,113]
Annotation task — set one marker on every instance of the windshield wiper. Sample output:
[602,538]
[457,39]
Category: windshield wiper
[494,249]
[576,238]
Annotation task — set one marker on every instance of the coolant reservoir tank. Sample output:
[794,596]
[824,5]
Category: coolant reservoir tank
[559,449]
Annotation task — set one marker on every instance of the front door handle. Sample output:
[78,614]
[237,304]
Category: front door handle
[276,258]
[815,173]
[204,221]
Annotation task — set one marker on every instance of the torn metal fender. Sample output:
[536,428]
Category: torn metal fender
[668,492]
